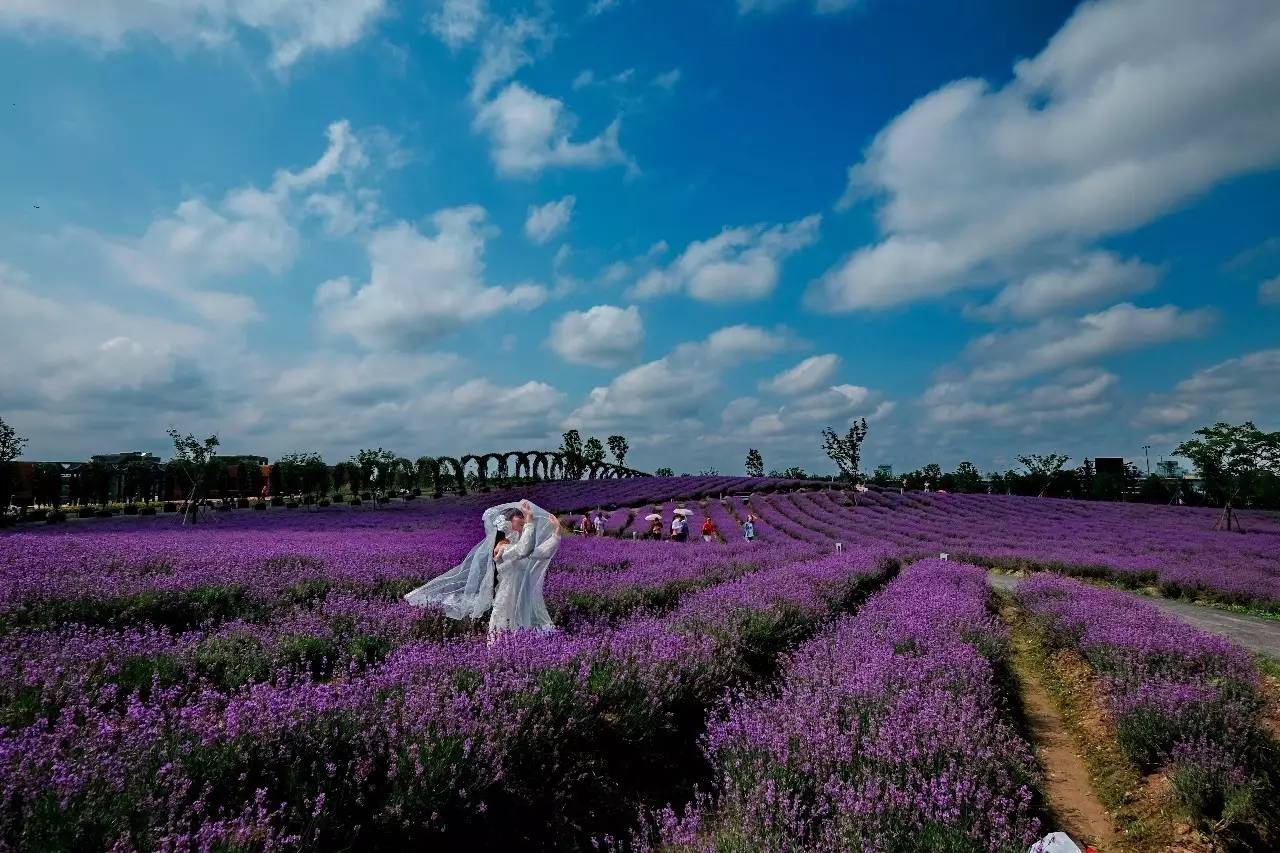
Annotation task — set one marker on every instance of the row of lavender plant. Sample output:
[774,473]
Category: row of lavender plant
[553,735]
[318,632]
[887,732]
[574,495]
[1175,548]
[1179,698]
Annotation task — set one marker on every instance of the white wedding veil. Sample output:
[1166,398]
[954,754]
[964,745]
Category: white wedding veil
[466,590]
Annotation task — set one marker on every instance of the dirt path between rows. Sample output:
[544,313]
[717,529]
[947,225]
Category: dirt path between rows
[1073,805]
[1253,632]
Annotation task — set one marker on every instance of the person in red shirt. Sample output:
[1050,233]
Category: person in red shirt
[708,530]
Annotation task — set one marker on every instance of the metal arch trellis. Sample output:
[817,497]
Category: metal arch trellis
[447,472]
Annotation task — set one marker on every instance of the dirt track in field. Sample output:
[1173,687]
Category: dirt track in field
[1253,632]
[1067,788]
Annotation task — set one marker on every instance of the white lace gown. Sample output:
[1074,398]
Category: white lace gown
[521,567]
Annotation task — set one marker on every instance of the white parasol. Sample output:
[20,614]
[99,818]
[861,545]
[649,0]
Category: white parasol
[653,516]
[683,511]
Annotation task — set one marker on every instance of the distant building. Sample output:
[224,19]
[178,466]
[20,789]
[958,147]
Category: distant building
[1113,465]
[124,458]
[1170,470]
[241,459]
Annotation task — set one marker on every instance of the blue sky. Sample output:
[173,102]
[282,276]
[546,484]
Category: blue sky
[459,226]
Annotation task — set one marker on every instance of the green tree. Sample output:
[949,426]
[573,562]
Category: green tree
[97,482]
[846,450]
[404,473]
[1043,469]
[592,451]
[303,473]
[11,445]
[1234,462]
[619,447]
[571,449]
[287,470]
[424,468]
[139,480]
[1086,477]
[664,472]
[1153,490]
[966,479]
[46,485]
[192,458]
[883,475]
[755,463]
[376,468]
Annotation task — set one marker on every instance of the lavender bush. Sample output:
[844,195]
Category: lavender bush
[257,684]
[1178,697]
[887,732]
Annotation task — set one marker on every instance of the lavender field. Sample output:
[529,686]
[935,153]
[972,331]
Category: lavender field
[257,682]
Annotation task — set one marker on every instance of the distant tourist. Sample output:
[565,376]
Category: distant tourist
[749,528]
[708,530]
[655,528]
[903,490]
[598,523]
[584,526]
[679,529]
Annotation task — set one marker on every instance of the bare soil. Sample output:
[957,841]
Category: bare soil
[1092,792]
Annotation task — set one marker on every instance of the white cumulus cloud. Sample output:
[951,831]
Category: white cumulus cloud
[294,28]
[604,336]
[738,263]
[546,221]
[1057,343]
[456,22]
[530,132]
[1097,277]
[809,375]
[676,387]
[421,287]
[1130,110]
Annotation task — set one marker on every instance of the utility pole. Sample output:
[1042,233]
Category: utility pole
[1147,456]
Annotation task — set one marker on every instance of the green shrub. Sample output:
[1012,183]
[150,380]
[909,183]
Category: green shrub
[308,591]
[231,661]
[308,653]
[139,674]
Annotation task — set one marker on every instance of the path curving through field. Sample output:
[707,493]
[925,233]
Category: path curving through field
[1253,632]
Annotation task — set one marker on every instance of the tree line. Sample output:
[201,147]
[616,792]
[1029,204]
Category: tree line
[1237,465]
[199,471]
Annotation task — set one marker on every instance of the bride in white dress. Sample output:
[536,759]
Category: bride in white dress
[503,574]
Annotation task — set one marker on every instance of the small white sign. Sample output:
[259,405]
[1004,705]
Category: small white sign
[943,556]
